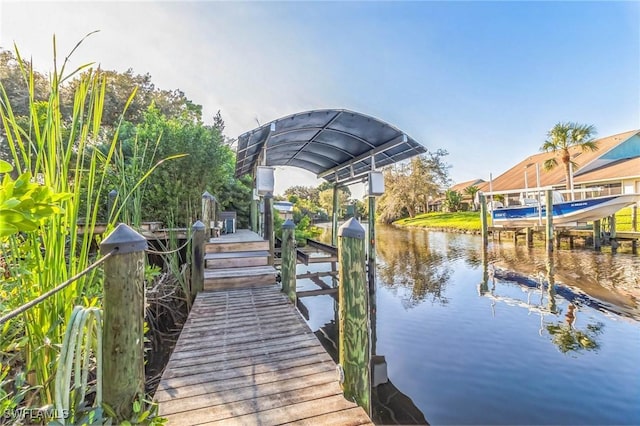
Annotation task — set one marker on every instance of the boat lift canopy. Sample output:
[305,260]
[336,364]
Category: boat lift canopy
[337,145]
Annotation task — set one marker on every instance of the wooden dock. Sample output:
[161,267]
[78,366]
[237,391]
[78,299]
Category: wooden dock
[246,356]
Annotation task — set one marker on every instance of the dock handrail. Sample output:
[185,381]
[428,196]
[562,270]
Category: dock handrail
[25,307]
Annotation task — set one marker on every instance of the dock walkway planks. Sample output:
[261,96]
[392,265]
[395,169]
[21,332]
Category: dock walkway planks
[246,356]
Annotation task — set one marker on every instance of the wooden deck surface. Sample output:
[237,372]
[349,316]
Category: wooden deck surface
[247,357]
[240,236]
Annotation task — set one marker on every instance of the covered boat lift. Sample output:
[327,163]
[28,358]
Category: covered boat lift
[337,145]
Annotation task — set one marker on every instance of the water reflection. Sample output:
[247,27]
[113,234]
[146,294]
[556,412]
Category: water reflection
[562,331]
[568,338]
[389,405]
[406,261]
[469,360]
[613,280]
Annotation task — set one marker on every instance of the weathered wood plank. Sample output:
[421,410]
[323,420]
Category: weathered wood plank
[218,334]
[254,338]
[349,417]
[218,247]
[186,370]
[180,389]
[167,384]
[242,272]
[231,261]
[220,322]
[217,284]
[247,357]
[237,254]
[212,393]
[294,412]
[239,347]
[246,411]
[237,355]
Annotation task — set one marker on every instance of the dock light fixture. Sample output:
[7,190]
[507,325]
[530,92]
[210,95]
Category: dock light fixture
[265,179]
[376,184]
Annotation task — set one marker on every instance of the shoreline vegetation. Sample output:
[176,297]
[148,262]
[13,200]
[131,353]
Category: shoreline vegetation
[461,222]
[469,222]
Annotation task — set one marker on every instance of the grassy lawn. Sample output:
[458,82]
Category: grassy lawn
[460,221]
[470,221]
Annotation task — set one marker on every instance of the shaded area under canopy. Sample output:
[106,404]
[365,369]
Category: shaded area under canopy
[335,144]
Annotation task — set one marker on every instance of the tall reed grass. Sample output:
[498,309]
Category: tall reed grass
[59,152]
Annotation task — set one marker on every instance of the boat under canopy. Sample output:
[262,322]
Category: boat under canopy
[568,213]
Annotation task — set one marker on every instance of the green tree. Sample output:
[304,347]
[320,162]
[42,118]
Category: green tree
[564,136]
[304,192]
[326,199]
[173,193]
[409,186]
[452,200]
[471,191]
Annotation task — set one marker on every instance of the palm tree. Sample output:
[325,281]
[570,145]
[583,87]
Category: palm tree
[561,138]
[472,191]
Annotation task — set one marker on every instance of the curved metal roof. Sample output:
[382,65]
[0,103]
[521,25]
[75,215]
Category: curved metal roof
[335,144]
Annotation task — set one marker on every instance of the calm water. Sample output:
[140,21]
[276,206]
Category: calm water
[468,342]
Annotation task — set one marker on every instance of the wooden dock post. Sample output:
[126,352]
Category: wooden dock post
[354,314]
[111,202]
[483,220]
[597,241]
[334,217]
[123,306]
[529,236]
[206,212]
[197,258]
[634,217]
[371,266]
[549,221]
[289,260]
[254,216]
[612,233]
[268,225]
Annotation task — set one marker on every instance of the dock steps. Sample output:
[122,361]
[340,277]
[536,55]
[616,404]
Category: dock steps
[237,260]
[216,279]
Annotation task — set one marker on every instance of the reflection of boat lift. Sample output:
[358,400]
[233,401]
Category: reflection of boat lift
[512,301]
[541,309]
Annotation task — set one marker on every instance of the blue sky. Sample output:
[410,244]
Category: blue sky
[483,80]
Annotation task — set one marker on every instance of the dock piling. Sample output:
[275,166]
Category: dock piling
[123,306]
[268,225]
[549,220]
[612,233]
[354,314]
[197,258]
[371,264]
[289,260]
[597,237]
[206,212]
[483,220]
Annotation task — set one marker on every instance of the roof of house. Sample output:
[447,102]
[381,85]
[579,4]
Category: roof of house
[283,206]
[523,174]
[621,169]
[460,187]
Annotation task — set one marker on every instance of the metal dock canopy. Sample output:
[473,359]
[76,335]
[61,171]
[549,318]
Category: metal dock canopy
[335,144]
